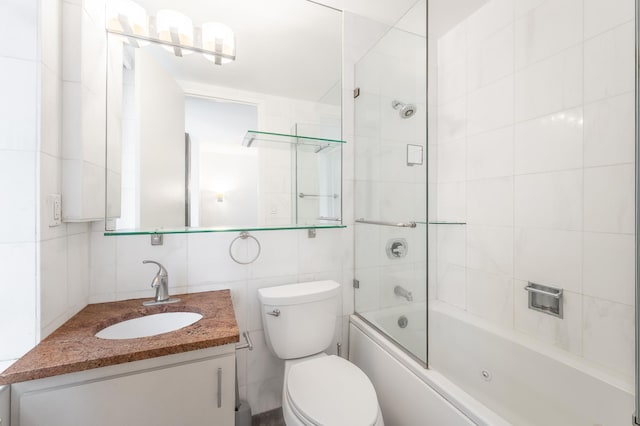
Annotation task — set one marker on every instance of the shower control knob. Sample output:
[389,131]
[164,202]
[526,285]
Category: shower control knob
[397,248]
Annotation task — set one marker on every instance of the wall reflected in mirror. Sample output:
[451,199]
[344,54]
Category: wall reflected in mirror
[194,144]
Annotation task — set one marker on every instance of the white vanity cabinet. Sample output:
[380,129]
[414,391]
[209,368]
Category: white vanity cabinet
[195,388]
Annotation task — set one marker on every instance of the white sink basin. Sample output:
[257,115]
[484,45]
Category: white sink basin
[149,325]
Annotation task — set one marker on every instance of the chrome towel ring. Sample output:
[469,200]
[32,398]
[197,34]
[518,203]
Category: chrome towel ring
[243,236]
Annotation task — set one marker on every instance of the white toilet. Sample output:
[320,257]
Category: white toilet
[319,389]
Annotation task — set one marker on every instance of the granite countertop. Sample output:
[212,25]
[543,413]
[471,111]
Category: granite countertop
[74,347]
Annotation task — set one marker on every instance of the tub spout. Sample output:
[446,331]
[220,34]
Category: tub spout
[403,292]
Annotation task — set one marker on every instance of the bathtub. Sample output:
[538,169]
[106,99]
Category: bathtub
[481,375]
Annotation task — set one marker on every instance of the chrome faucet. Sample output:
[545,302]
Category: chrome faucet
[403,292]
[161,284]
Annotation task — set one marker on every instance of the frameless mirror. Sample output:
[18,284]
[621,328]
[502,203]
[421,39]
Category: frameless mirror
[239,129]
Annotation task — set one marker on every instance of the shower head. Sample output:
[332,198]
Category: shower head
[405,110]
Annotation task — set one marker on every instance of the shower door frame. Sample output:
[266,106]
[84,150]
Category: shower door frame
[423,362]
[636,419]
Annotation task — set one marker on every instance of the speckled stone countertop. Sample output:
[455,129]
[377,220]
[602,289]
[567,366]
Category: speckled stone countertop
[74,347]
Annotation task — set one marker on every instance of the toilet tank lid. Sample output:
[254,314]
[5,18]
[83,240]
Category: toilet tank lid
[295,294]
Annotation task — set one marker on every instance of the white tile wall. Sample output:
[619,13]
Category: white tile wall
[536,155]
[64,250]
[19,328]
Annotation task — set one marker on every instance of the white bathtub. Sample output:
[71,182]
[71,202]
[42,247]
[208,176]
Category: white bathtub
[527,384]
[413,336]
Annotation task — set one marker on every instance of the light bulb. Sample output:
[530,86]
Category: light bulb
[128,17]
[218,38]
[170,20]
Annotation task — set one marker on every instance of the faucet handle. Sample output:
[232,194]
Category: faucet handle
[162,271]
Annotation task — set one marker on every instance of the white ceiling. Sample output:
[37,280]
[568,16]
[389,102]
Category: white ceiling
[289,48]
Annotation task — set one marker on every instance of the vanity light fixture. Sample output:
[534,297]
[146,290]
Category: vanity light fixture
[219,38]
[128,17]
[174,30]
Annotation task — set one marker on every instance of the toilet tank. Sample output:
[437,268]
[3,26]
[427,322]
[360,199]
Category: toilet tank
[299,319]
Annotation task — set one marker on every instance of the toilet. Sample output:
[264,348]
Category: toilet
[319,389]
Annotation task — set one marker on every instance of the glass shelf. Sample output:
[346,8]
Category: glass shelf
[216,229]
[255,138]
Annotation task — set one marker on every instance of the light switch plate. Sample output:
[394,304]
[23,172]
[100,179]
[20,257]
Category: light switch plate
[54,209]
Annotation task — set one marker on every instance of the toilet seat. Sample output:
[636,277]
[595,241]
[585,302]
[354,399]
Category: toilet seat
[331,391]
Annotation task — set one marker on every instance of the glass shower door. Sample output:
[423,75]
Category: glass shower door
[391,189]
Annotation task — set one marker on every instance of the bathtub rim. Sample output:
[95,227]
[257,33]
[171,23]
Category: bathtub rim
[477,412]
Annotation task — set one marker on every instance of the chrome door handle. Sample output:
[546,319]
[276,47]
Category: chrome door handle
[274,313]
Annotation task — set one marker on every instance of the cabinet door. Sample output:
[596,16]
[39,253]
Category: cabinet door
[189,394]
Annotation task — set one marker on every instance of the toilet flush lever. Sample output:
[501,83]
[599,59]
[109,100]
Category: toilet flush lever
[274,313]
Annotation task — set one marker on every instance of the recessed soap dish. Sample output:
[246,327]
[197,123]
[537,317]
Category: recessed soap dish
[545,299]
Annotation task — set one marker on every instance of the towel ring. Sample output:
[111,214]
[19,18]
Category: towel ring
[244,235]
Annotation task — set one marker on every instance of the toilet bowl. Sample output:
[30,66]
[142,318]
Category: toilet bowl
[319,389]
[328,390]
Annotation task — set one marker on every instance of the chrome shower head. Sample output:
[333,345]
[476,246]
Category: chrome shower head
[405,110]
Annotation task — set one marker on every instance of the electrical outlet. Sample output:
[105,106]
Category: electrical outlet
[54,209]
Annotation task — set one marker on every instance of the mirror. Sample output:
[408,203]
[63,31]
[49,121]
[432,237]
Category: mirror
[239,130]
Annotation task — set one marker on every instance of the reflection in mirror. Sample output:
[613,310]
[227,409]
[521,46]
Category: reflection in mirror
[201,142]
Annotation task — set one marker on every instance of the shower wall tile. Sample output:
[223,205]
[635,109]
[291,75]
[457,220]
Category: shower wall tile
[609,267]
[549,200]
[452,47]
[490,59]
[489,19]
[608,201]
[452,284]
[546,30]
[490,249]
[490,154]
[608,63]
[490,107]
[490,202]
[549,86]
[549,143]
[601,15]
[609,334]
[451,245]
[452,83]
[452,120]
[552,258]
[451,202]
[565,333]
[490,296]
[524,6]
[609,131]
[452,160]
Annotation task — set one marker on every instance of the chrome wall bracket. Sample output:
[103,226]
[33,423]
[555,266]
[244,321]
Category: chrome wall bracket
[545,299]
